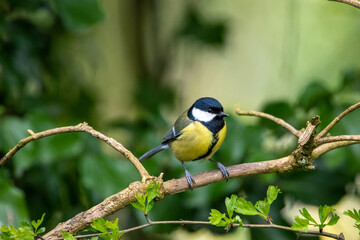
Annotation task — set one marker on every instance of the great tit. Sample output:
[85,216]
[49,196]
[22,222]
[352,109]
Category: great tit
[197,134]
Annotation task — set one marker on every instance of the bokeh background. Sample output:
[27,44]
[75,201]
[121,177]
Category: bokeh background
[130,67]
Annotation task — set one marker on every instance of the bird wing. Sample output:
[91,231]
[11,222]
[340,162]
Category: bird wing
[176,130]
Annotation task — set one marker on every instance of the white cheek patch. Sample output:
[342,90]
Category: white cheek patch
[201,115]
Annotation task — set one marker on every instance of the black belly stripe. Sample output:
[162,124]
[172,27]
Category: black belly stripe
[213,143]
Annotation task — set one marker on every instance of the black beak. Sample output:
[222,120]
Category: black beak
[222,114]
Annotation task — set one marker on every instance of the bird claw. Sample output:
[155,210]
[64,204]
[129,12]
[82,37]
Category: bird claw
[222,169]
[189,179]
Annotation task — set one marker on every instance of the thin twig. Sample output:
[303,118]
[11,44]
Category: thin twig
[187,222]
[82,127]
[336,120]
[279,121]
[353,3]
[338,138]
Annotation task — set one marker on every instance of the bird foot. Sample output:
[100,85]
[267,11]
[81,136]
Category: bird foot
[189,179]
[222,169]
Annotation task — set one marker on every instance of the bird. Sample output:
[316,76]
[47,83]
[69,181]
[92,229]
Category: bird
[197,134]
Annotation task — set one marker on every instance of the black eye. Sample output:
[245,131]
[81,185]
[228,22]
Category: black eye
[210,110]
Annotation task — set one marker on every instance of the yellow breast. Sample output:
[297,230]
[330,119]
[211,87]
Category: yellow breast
[195,142]
[221,137]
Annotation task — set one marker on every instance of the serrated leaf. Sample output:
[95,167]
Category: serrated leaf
[37,223]
[272,194]
[112,225]
[216,218]
[41,230]
[149,206]
[324,212]
[263,207]
[99,225]
[334,219]
[152,191]
[230,204]
[354,215]
[300,224]
[307,215]
[25,224]
[141,198]
[67,236]
[138,206]
[245,207]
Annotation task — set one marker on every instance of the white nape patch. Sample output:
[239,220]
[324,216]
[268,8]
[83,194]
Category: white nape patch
[201,115]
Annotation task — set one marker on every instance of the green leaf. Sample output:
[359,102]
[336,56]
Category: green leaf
[37,223]
[334,219]
[300,224]
[354,215]
[324,212]
[272,194]
[217,218]
[263,207]
[41,230]
[245,207]
[307,215]
[140,204]
[145,202]
[67,236]
[151,193]
[99,225]
[230,204]
[112,225]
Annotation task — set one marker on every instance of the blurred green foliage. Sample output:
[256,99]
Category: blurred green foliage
[42,86]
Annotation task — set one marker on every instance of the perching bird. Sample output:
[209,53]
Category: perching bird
[197,134]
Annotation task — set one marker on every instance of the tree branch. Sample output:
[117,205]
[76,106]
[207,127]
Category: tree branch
[82,127]
[187,222]
[353,3]
[336,120]
[339,138]
[279,121]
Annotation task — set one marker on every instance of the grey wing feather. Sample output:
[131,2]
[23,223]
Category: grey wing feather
[175,131]
[171,135]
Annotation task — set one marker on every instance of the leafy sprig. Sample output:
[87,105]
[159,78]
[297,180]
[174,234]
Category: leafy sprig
[356,216]
[241,206]
[324,213]
[220,220]
[109,230]
[25,231]
[145,202]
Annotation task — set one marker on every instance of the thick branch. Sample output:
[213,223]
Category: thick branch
[353,3]
[107,207]
[82,127]
[279,121]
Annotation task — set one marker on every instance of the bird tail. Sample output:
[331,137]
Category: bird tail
[153,151]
